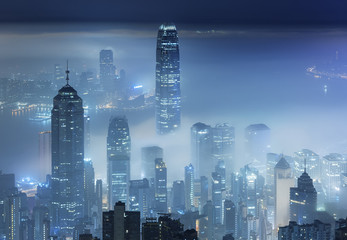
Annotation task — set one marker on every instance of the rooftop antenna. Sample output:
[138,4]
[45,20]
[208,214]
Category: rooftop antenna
[67,72]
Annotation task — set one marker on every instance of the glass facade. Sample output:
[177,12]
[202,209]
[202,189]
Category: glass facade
[168,92]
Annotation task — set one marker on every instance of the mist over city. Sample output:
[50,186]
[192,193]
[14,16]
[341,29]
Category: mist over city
[177,128]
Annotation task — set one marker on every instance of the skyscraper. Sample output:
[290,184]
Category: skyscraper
[167,74]
[201,149]
[107,70]
[178,196]
[118,160]
[148,156]
[140,197]
[160,186]
[45,154]
[189,186]
[312,163]
[303,200]
[89,187]
[257,145]
[67,159]
[284,180]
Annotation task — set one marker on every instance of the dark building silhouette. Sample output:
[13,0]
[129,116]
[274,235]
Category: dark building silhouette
[168,92]
[120,224]
[160,186]
[229,216]
[67,160]
[163,229]
[317,231]
[303,200]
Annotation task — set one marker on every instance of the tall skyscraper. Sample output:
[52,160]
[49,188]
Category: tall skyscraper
[107,70]
[45,154]
[284,180]
[89,187]
[217,198]
[229,217]
[160,186]
[201,149]
[140,197]
[258,137]
[118,160]
[189,186]
[148,156]
[332,166]
[178,196]
[67,160]
[313,166]
[167,74]
[303,200]
[224,146]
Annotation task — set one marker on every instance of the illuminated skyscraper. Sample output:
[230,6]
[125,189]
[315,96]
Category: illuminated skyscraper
[168,92]
[107,70]
[148,156]
[313,166]
[118,160]
[189,186]
[160,186]
[67,160]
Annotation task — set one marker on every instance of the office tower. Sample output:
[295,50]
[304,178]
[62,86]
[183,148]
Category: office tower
[178,197]
[87,137]
[45,154]
[164,228]
[220,169]
[203,191]
[89,187]
[107,70]
[167,75]
[312,163]
[7,182]
[284,180]
[41,223]
[67,160]
[271,161]
[303,200]
[118,160]
[189,186]
[224,146]
[97,211]
[258,137]
[12,206]
[119,224]
[160,186]
[316,230]
[148,156]
[217,197]
[201,149]
[229,217]
[332,166]
[206,225]
[140,197]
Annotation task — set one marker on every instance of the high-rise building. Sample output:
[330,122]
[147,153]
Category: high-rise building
[45,154]
[258,137]
[217,197]
[189,186]
[303,200]
[119,224]
[229,217]
[332,166]
[160,186]
[201,149]
[284,180]
[168,92]
[41,223]
[67,160]
[312,163]
[87,137]
[178,197]
[203,191]
[294,231]
[89,187]
[107,70]
[58,75]
[224,146]
[12,216]
[118,160]
[148,156]
[140,197]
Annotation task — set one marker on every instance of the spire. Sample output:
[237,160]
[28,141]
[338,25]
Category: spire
[304,164]
[67,72]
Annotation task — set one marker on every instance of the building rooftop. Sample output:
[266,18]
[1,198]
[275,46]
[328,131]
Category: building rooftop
[282,164]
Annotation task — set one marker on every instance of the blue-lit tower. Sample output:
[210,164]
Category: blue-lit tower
[67,160]
[167,74]
[118,160]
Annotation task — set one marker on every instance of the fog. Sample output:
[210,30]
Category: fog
[229,74]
